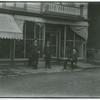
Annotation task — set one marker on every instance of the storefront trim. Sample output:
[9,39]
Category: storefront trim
[44,20]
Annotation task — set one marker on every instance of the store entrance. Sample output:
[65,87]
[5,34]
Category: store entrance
[55,34]
[52,36]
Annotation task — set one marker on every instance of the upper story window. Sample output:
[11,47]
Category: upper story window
[20,5]
[68,4]
[1,4]
[14,4]
[10,4]
[33,6]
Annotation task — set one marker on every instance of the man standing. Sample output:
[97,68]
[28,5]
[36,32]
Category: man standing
[74,58]
[47,53]
[34,54]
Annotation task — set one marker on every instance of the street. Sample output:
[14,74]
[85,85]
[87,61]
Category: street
[84,83]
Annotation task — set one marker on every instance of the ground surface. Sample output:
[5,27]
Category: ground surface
[59,84]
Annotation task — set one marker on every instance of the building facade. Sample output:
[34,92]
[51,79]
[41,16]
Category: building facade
[94,31]
[63,24]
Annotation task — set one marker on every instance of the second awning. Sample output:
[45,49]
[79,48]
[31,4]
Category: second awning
[8,28]
[81,29]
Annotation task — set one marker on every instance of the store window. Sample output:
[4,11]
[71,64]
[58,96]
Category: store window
[10,4]
[69,42]
[39,29]
[20,5]
[61,47]
[79,45]
[22,47]
[4,48]
[29,36]
[19,49]
[31,31]
[73,41]
[53,39]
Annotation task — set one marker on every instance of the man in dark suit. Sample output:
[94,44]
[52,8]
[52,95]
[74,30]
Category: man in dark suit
[47,53]
[74,58]
[34,54]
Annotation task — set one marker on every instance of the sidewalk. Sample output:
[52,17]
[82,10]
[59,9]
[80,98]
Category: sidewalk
[55,68]
[85,65]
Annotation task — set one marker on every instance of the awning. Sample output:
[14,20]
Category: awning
[82,23]
[8,28]
[50,21]
[81,29]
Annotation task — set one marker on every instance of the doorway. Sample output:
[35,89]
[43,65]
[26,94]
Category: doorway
[52,36]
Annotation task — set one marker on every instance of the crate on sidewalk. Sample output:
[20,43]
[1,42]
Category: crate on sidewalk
[41,64]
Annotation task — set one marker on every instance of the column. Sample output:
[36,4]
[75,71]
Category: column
[85,49]
[35,31]
[44,28]
[65,31]
[74,41]
[59,44]
[12,51]
[25,40]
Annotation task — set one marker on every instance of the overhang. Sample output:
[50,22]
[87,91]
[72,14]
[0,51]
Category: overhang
[81,29]
[8,28]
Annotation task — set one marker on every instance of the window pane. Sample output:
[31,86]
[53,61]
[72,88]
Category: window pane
[10,4]
[4,48]
[53,50]
[78,44]
[70,34]
[29,30]
[19,49]
[20,5]
[39,29]
[53,44]
[1,4]
[33,6]
[69,47]
[62,45]
[28,47]
[62,49]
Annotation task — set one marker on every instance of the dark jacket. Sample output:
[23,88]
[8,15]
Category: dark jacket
[34,52]
[47,53]
[75,56]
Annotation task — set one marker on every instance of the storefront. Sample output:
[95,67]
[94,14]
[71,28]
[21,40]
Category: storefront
[9,31]
[62,36]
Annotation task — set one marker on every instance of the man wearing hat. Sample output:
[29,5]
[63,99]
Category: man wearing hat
[34,54]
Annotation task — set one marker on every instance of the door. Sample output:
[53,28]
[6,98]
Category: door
[39,35]
[52,36]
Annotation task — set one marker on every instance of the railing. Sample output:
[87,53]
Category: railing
[29,7]
[60,9]
[46,8]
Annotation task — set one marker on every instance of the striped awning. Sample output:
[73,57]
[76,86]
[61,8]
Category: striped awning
[8,28]
[81,29]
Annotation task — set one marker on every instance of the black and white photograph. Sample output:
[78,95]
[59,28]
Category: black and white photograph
[49,49]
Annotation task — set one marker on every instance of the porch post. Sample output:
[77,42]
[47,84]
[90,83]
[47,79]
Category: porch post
[44,28]
[35,31]
[65,30]
[85,49]
[12,51]
[25,39]
[74,41]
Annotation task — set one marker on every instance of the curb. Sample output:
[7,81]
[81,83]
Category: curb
[91,68]
[46,72]
[41,72]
